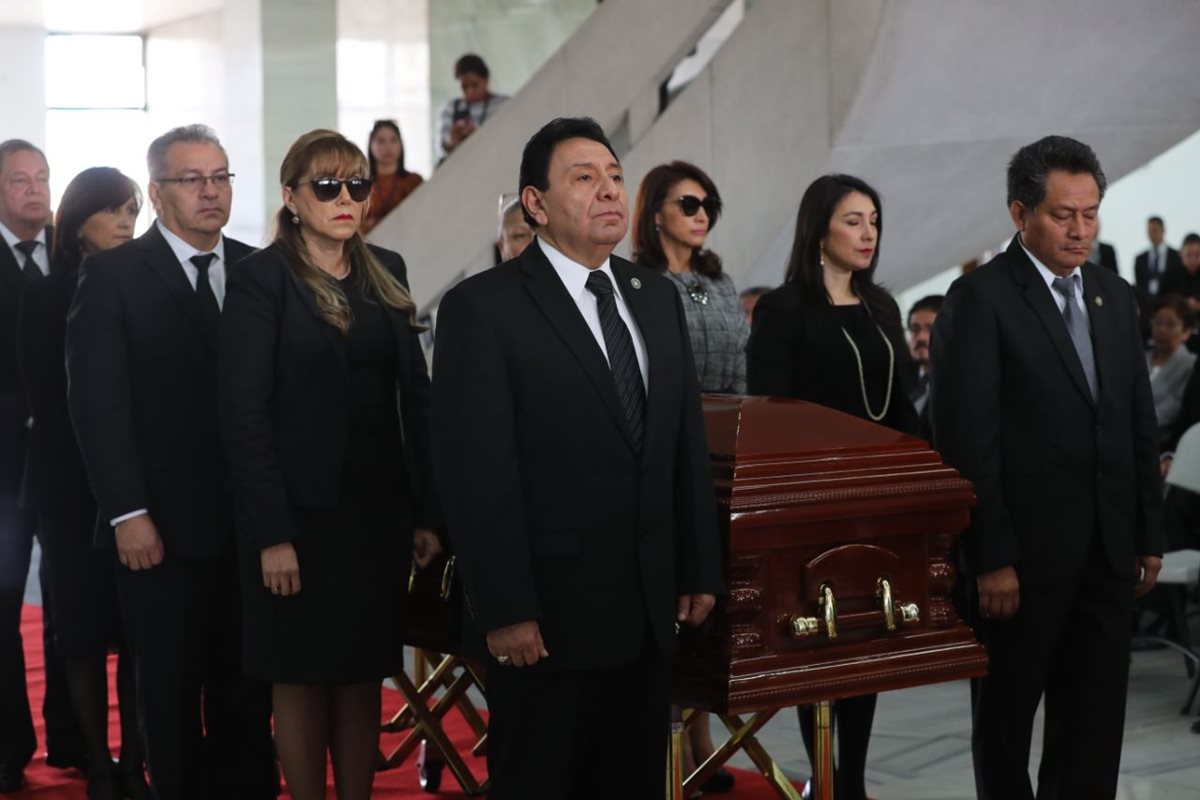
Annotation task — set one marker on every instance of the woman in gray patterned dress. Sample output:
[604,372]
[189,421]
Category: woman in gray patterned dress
[677,205]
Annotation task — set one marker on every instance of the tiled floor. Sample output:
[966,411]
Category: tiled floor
[921,744]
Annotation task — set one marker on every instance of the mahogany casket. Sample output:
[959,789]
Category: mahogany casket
[836,535]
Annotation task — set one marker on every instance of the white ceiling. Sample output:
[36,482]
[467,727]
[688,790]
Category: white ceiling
[100,16]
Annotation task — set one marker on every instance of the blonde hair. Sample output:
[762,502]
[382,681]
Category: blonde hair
[320,153]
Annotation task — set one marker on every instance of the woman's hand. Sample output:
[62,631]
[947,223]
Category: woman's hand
[426,547]
[281,569]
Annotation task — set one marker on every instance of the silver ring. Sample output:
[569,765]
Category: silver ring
[503,660]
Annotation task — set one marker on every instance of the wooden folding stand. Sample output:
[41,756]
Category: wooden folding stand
[424,711]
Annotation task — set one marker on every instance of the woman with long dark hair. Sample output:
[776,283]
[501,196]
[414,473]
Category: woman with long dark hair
[677,206]
[832,335]
[324,400]
[97,212]
[392,182]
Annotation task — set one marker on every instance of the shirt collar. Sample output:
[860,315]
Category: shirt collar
[11,238]
[184,251]
[1045,272]
[573,274]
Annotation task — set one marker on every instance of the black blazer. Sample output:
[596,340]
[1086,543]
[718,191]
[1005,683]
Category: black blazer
[284,404]
[553,515]
[142,371]
[799,351]
[1108,257]
[55,476]
[1141,268]
[14,414]
[1012,411]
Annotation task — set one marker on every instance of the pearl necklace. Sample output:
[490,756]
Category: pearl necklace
[862,378]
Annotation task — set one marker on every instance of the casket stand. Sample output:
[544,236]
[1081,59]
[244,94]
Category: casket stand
[836,535]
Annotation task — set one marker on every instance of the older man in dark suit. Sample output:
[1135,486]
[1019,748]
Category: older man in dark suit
[570,453]
[1041,398]
[141,361]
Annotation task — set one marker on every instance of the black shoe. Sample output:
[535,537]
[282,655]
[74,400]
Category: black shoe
[133,782]
[722,781]
[104,784]
[12,778]
[67,760]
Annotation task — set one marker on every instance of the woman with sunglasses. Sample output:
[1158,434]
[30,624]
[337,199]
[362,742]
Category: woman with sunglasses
[392,182]
[832,335]
[97,212]
[323,396]
[677,205]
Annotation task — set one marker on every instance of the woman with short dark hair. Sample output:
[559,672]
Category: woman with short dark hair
[97,212]
[324,400]
[832,335]
[677,206]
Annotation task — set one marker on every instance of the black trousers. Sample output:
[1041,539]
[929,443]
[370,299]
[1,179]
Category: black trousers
[205,726]
[554,735]
[17,740]
[1070,643]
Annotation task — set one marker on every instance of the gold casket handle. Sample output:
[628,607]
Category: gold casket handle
[830,605]
[909,612]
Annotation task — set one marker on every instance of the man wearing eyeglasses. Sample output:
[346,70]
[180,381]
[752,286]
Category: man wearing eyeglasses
[141,359]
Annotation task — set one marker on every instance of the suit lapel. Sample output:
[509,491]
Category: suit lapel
[560,310]
[1038,296]
[10,271]
[1100,306]
[160,259]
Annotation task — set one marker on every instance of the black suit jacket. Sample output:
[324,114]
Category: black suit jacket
[55,476]
[14,414]
[1108,257]
[1012,411]
[285,403]
[1141,268]
[553,515]
[142,371]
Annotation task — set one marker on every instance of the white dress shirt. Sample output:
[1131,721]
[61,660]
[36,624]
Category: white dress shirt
[574,277]
[184,252]
[41,256]
[1049,277]
[216,279]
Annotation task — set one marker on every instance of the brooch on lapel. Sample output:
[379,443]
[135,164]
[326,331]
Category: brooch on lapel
[1099,301]
[635,283]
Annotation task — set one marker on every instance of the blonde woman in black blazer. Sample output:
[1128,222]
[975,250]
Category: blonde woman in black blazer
[324,399]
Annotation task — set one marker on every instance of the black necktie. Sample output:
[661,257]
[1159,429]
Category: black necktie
[622,359]
[1154,261]
[29,268]
[204,292]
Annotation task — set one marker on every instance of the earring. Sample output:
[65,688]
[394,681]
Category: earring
[295,219]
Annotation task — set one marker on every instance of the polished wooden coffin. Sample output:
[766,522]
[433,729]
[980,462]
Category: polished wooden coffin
[836,534]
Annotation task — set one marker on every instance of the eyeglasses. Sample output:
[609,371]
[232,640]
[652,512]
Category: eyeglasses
[195,182]
[329,189]
[689,204]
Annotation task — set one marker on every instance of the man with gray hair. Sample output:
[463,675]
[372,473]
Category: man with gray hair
[141,360]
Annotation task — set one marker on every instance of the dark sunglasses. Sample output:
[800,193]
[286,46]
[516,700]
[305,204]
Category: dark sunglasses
[689,204]
[329,189]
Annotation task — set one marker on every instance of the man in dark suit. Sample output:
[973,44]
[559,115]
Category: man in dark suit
[1151,266]
[141,361]
[921,317]
[24,258]
[579,504]
[1104,254]
[1042,399]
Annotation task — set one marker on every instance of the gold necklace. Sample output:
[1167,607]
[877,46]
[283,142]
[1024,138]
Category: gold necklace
[862,378]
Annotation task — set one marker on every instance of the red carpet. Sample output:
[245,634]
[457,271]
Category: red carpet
[47,783]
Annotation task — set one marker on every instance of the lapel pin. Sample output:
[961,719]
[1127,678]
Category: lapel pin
[637,283]
[1099,301]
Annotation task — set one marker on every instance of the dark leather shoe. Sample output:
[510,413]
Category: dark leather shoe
[67,760]
[104,784]
[12,778]
[133,782]
[721,782]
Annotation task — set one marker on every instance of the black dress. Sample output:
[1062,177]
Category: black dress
[344,625]
[81,580]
